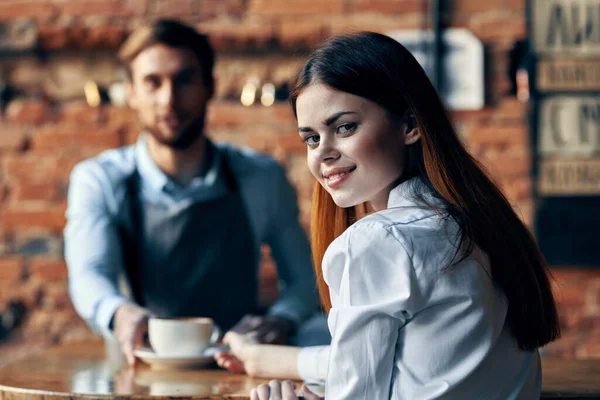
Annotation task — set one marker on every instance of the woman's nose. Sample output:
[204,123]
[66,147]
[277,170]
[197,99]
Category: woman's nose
[328,151]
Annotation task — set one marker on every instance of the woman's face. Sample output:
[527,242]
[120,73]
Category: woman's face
[354,149]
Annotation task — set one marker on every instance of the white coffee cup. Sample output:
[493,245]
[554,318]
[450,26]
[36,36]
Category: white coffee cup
[177,337]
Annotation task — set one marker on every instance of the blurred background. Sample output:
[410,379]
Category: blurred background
[519,77]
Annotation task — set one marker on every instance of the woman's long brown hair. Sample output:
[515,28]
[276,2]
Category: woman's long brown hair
[380,69]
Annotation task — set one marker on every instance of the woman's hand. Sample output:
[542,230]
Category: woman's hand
[277,390]
[240,358]
[258,360]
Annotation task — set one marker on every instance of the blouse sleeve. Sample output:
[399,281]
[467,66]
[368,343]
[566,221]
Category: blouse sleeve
[312,363]
[374,292]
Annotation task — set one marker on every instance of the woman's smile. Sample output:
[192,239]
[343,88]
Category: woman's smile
[336,176]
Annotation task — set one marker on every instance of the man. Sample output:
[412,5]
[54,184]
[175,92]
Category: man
[179,217]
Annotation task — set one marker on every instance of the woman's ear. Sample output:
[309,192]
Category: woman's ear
[411,135]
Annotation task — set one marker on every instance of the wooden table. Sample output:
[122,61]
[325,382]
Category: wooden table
[570,379]
[82,371]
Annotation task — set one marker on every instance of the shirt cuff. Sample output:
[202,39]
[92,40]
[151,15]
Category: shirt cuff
[106,310]
[312,363]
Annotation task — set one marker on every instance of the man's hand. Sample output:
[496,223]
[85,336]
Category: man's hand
[270,329]
[130,325]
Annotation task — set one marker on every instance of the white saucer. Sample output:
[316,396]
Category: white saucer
[180,362]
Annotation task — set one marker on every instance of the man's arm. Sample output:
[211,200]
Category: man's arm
[291,251]
[92,248]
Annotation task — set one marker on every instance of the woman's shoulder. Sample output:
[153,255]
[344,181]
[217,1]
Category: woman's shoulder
[404,222]
[373,236]
[407,232]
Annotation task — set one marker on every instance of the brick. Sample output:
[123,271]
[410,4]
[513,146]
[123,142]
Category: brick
[53,37]
[119,117]
[102,36]
[268,291]
[228,35]
[29,292]
[500,86]
[4,191]
[11,268]
[510,108]
[27,74]
[112,8]
[498,26]
[564,347]
[374,22]
[387,6]
[483,115]
[472,6]
[590,346]
[61,137]
[173,8]
[290,142]
[131,137]
[49,217]
[501,135]
[208,9]
[293,34]
[28,111]
[259,143]
[27,167]
[79,332]
[12,138]
[44,191]
[569,295]
[506,163]
[39,9]
[524,209]
[62,321]
[47,269]
[295,7]
[570,319]
[224,114]
[38,322]
[79,113]
[518,5]
[517,189]
[575,275]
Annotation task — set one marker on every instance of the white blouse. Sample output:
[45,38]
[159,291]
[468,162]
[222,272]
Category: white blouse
[403,327]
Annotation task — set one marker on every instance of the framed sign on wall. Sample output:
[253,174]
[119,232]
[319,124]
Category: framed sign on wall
[565,126]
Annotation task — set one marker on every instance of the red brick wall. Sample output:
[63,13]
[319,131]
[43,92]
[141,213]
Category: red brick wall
[49,128]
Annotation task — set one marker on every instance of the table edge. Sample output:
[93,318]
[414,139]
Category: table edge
[44,394]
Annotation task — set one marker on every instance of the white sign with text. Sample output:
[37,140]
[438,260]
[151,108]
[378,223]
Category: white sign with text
[462,85]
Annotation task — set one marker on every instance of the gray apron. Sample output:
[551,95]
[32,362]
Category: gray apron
[196,261]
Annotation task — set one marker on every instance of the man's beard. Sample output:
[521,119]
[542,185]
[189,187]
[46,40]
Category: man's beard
[187,136]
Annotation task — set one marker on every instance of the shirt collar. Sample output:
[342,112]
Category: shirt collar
[404,194]
[153,176]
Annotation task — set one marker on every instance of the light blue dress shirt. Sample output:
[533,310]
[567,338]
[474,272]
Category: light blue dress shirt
[403,326]
[96,199]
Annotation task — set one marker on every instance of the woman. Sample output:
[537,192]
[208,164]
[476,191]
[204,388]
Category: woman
[441,291]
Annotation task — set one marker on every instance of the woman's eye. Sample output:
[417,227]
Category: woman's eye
[312,140]
[346,128]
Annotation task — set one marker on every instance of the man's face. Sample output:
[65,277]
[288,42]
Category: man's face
[169,94]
